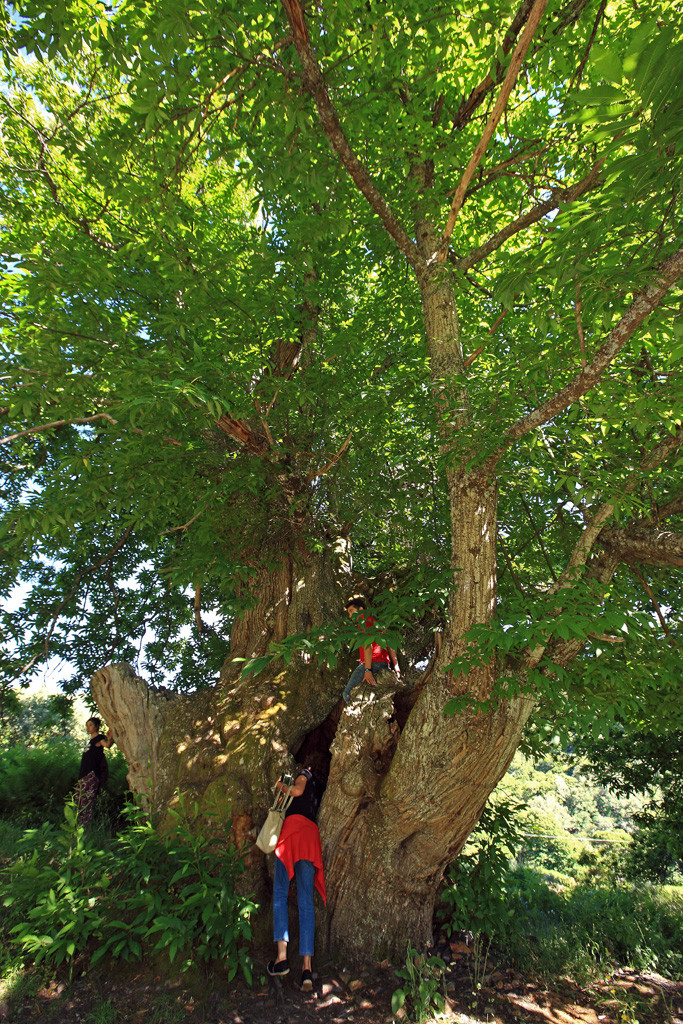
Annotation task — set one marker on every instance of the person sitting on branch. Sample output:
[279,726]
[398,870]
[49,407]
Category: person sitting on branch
[373,658]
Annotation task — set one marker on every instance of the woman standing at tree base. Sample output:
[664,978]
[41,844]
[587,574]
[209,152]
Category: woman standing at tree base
[93,771]
[299,853]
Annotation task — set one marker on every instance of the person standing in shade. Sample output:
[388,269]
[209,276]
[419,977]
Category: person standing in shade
[373,658]
[299,853]
[93,772]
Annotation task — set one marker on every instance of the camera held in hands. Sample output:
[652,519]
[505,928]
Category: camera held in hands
[287,779]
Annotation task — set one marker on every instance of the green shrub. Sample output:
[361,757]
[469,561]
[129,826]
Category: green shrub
[585,928]
[61,878]
[35,782]
[177,894]
[474,895]
[422,979]
[173,893]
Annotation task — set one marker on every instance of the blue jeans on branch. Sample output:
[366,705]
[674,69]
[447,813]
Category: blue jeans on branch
[356,677]
[304,872]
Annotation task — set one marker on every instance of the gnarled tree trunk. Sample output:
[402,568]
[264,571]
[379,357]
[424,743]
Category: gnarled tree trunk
[406,784]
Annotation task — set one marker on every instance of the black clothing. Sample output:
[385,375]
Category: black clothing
[309,801]
[93,760]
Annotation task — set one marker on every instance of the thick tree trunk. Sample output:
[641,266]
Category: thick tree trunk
[404,792]
[399,806]
[225,746]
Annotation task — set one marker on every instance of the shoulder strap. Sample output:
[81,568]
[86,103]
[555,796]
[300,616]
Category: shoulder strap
[282,800]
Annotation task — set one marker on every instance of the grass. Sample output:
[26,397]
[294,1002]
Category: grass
[103,1013]
[582,931]
[166,1011]
[17,980]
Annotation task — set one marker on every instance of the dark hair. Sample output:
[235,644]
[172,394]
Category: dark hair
[357,602]
[318,764]
[96,722]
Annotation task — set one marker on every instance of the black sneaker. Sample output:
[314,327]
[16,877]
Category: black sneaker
[277,970]
[306,981]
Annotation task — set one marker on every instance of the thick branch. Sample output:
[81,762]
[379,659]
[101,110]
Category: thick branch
[643,304]
[241,431]
[558,196]
[670,508]
[329,120]
[568,16]
[59,423]
[198,608]
[495,116]
[645,544]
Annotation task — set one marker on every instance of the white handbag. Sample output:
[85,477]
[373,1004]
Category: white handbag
[272,826]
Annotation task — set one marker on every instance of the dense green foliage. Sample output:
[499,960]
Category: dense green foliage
[572,909]
[200,310]
[475,892]
[41,744]
[35,719]
[584,929]
[69,899]
[652,764]
[601,907]
[35,781]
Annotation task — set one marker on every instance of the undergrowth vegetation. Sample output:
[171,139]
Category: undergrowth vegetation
[69,900]
[36,780]
[551,923]
[549,883]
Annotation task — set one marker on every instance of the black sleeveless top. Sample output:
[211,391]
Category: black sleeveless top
[93,759]
[309,801]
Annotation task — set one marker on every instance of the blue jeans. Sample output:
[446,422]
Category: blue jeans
[304,872]
[356,677]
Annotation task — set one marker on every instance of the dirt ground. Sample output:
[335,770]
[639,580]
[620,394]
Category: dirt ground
[134,994]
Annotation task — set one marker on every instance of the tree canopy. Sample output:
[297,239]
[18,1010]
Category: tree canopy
[219,225]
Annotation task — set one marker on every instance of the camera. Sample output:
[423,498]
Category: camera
[286,779]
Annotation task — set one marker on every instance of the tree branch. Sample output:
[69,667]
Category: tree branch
[535,16]
[658,611]
[59,423]
[643,304]
[558,196]
[198,608]
[647,544]
[313,476]
[478,351]
[329,120]
[569,15]
[610,557]
[195,517]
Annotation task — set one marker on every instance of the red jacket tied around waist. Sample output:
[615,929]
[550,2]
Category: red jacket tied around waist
[300,840]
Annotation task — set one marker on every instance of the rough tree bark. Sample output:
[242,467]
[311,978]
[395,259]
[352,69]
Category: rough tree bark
[406,784]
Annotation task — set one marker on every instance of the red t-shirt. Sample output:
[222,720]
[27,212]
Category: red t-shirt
[378,653]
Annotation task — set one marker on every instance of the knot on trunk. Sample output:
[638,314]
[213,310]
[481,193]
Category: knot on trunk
[136,714]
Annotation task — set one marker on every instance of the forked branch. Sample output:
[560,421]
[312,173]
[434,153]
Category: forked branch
[508,84]
[647,300]
[329,119]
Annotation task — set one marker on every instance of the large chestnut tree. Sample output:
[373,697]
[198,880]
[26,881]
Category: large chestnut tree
[305,300]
